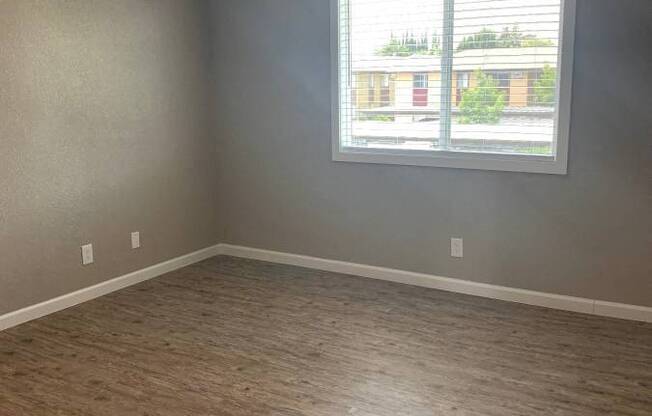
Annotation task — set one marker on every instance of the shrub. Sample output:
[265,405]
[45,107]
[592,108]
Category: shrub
[544,87]
[482,104]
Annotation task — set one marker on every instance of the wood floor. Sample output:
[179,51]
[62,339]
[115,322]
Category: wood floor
[240,337]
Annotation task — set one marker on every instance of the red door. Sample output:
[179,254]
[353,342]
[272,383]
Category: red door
[420,90]
[420,97]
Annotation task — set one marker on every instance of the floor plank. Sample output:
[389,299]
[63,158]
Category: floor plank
[239,337]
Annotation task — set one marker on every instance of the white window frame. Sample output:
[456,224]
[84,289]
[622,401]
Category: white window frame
[423,80]
[556,164]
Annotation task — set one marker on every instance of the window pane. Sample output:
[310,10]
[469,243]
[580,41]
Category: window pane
[504,73]
[509,50]
[398,44]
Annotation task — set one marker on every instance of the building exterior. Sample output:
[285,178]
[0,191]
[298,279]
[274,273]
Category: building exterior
[396,85]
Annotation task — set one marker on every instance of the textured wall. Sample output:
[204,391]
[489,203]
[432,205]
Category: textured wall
[104,130]
[587,234]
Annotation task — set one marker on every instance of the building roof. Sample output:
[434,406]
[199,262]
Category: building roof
[467,60]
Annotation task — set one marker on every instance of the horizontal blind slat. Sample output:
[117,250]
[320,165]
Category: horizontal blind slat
[504,71]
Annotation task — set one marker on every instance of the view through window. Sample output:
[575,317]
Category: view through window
[449,75]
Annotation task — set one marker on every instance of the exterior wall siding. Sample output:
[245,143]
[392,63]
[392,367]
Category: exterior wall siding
[518,89]
[401,89]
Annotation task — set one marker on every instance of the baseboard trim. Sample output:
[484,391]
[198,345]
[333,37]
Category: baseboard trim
[623,311]
[529,297]
[71,299]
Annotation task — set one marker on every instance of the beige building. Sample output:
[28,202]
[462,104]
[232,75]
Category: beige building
[413,83]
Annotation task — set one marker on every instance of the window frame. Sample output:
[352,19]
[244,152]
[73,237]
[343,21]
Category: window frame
[556,164]
[386,81]
[423,80]
[465,77]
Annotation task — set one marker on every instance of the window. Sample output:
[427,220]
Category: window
[420,81]
[385,94]
[420,90]
[371,92]
[478,84]
[462,84]
[463,80]
[502,81]
[386,81]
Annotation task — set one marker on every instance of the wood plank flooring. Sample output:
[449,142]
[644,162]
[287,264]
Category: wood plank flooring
[239,337]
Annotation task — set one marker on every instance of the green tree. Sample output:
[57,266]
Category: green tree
[392,47]
[544,87]
[409,45]
[395,47]
[484,39]
[532,41]
[509,38]
[435,45]
[482,104]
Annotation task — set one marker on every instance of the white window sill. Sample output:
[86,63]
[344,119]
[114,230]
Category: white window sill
[448,159]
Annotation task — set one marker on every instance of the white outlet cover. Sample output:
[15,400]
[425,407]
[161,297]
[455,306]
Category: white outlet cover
[87,254]
[457,247]
[135,239]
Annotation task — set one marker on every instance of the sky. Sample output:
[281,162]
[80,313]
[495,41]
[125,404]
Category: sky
[374,21]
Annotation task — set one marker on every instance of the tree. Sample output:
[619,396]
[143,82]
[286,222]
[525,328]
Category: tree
[482,104]
[391,48]
[435,45]
[509,38]
[409,45]
[484,39]
[531,41]
[544,87]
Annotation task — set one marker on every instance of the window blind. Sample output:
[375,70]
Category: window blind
[477,76]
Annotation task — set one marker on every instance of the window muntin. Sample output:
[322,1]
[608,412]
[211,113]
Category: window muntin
[420,80]
[464,89]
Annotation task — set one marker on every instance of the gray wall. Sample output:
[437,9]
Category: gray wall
[586,234]
[107,127]
[104,129]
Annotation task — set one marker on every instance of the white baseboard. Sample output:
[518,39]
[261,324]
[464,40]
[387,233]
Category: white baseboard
[623,311]
[529,297]
[548,300]
[71,299]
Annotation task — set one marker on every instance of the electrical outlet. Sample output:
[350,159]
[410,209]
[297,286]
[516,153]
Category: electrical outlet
[135,239]
[457,247]
[87,254]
